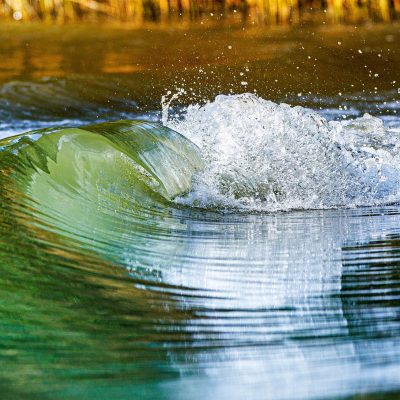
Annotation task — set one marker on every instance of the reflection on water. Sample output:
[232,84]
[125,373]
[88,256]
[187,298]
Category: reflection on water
[274,312]
[290,305]
[165,302]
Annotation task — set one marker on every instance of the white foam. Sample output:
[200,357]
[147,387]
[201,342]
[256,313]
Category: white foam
[265,156]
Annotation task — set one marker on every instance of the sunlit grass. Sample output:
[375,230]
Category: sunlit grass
[253,11]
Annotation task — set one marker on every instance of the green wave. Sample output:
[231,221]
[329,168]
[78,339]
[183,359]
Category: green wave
[91,181]
[118,155]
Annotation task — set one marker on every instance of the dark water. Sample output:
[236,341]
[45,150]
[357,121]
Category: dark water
[148,299]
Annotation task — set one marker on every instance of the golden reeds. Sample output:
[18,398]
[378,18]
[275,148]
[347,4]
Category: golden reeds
[255,11]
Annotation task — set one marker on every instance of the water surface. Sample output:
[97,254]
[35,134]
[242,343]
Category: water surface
[134,296]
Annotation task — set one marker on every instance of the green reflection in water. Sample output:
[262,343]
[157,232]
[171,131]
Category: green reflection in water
[69,318]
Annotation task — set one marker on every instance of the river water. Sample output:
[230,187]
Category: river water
[275,273]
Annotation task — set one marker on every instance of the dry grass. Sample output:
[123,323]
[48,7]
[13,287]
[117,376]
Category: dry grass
[254,11]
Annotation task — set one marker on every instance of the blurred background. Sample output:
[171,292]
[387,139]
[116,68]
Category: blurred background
[244,11]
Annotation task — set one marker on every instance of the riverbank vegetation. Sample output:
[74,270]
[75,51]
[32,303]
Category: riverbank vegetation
[245,11]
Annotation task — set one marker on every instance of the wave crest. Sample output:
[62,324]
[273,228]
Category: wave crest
[265,156]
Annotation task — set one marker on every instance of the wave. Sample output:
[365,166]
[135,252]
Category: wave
[239,152]
[84,181]
[264,156]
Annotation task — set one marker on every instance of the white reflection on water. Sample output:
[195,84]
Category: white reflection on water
[270,322]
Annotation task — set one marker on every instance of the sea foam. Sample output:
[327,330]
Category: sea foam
[264,156]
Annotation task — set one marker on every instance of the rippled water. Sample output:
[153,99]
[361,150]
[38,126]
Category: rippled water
[262,280]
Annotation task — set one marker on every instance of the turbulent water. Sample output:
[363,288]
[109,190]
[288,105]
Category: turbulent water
[237,247]
[263,156]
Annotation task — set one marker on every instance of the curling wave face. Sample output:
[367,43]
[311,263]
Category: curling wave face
[83,180]
[267,157]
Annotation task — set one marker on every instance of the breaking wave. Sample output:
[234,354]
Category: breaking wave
[264,156]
